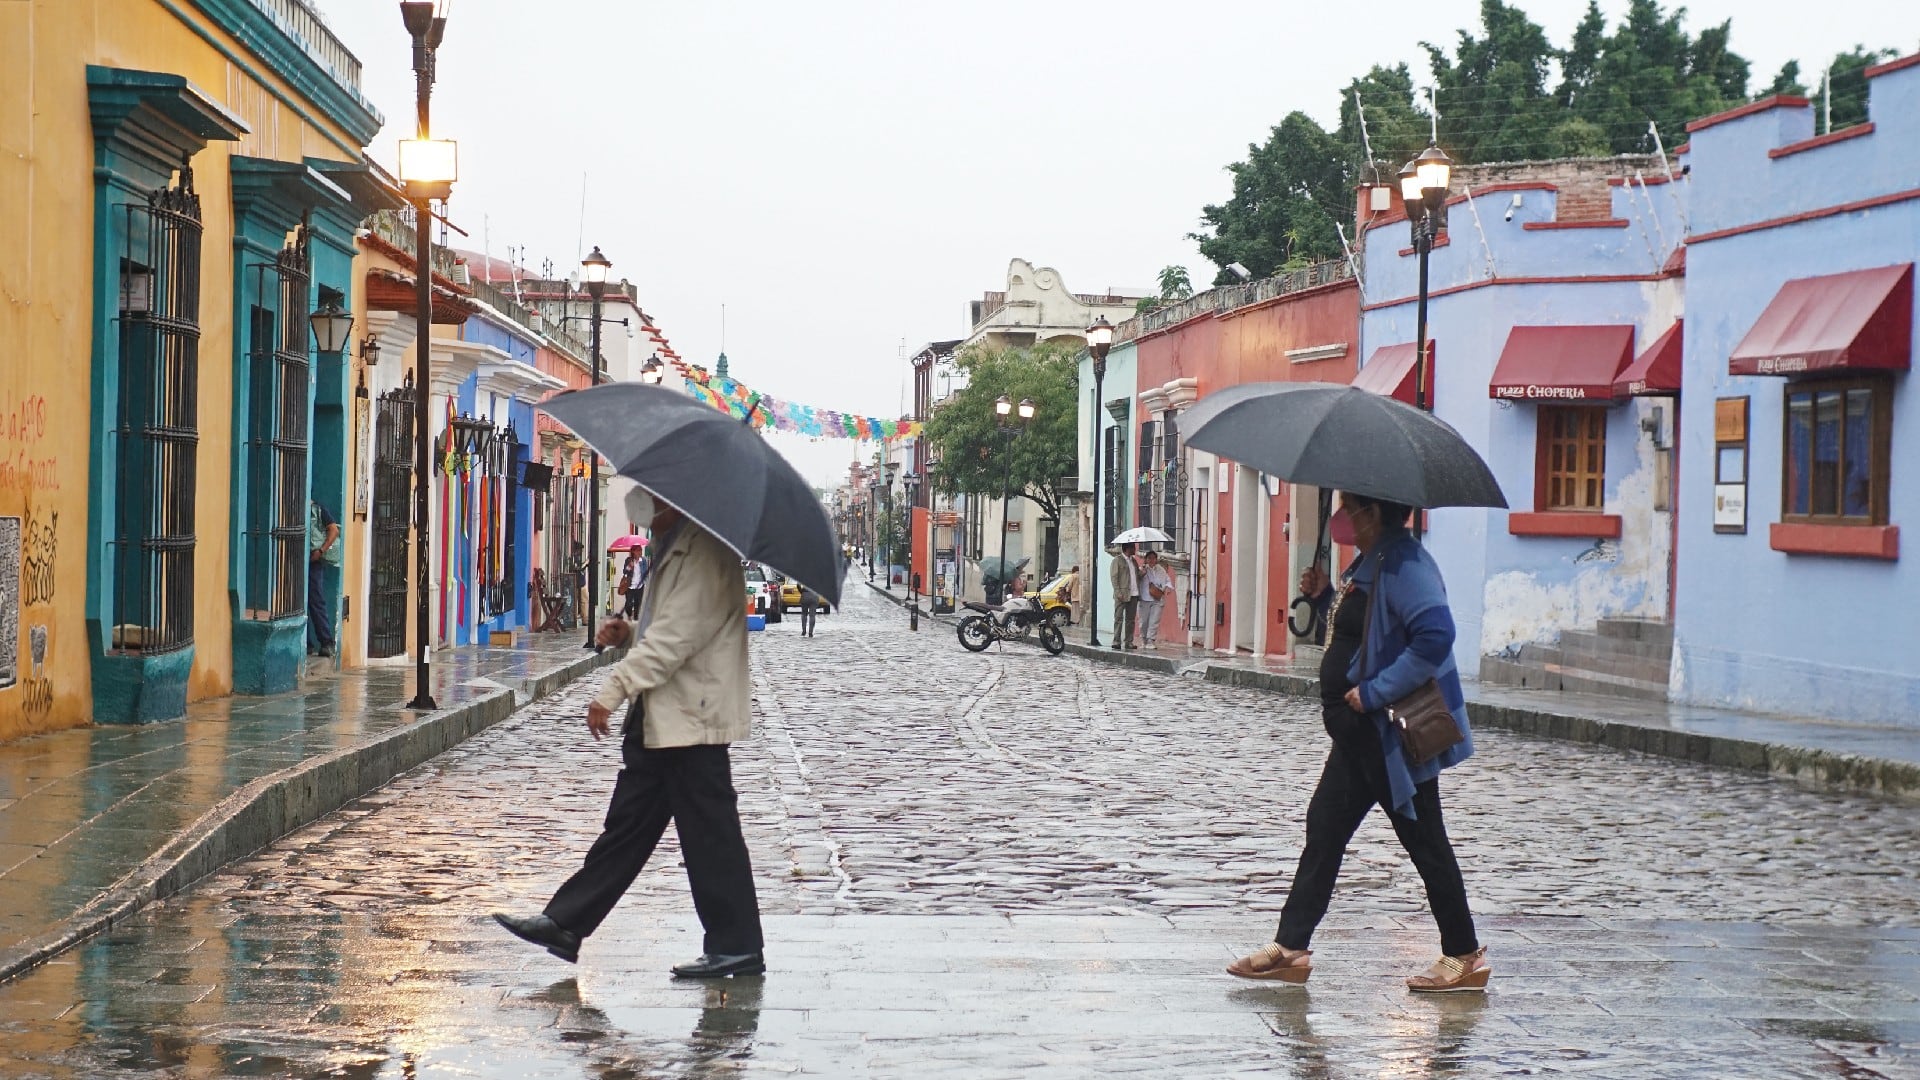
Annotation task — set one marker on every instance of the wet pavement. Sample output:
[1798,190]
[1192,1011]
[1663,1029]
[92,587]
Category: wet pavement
[1016,864]
[81,809]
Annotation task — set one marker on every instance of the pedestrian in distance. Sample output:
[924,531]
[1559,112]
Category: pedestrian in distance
[632,576]
[1389,631]
[809,610]
[1124,575]
[1155,586]
[687,682]
[323,552]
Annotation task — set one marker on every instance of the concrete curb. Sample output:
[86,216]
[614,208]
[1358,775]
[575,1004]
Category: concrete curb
[275,805]
[1825,769]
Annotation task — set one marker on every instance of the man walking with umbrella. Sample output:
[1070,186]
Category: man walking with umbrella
[1124,575]
[687,681]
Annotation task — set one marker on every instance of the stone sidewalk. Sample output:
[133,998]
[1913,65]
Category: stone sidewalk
[96,822]
[1829,754]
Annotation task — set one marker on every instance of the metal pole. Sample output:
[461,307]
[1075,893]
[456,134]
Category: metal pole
[1423,241]
[1093,564]
[422,357]
[593,487]
[1006,496]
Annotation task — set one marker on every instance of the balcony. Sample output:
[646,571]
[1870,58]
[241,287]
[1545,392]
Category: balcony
[300,22]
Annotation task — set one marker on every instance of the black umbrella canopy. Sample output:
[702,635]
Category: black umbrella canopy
[713,468]
[1345,438]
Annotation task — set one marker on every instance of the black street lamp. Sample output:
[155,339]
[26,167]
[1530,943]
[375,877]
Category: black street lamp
[594,272]
[889,525]
[1004,412]
[873,522]
[912,482]
[1423,189]
[1099,340]
[428,168]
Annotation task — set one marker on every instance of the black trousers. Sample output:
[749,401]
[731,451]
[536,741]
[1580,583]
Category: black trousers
[632,608]
[809,610]
[1352,783]
[693,787]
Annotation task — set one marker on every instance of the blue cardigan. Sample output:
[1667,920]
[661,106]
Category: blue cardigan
[1409,640]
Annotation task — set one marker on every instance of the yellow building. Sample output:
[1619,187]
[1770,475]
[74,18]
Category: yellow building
[180,184]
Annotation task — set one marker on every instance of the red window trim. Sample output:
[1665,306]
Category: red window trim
[1810,215]
[1851,541]
[1572,523]
[1777,101]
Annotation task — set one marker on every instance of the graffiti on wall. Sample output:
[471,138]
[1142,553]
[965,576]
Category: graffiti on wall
[9,601]
[27,464]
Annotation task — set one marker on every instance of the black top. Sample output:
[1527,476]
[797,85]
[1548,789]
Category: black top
[1349,625]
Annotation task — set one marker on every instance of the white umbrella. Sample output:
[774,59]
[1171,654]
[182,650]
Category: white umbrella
[1142,534]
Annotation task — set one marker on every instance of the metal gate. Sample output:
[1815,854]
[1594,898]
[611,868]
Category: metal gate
[392,484]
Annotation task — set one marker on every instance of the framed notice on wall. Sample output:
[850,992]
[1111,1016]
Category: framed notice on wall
[1730,465]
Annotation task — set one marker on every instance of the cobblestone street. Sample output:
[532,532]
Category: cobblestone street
[990,864]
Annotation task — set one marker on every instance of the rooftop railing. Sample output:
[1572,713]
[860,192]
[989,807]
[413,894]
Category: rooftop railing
[1231,297]
[299,21]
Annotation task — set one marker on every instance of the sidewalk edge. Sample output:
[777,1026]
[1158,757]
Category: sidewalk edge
[1824,769]
[272,806]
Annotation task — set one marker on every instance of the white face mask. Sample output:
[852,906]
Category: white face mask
[640,507]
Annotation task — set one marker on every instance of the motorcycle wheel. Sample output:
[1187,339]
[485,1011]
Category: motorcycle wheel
[974,634]
[1052,639]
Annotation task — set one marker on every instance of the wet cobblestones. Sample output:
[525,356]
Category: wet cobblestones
[981,865]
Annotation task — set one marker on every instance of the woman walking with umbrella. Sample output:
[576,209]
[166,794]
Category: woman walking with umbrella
[1389,621]
[1390,693]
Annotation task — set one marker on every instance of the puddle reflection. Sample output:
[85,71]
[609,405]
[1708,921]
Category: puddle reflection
[722,1038]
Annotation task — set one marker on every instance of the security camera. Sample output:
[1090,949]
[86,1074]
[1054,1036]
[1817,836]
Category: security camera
[1239,271]
[1516,204]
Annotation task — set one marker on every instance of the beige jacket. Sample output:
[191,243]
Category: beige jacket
[1120,572]
[690,667]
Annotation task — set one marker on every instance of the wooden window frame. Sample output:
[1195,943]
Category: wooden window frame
[1543,473]
[1879,450]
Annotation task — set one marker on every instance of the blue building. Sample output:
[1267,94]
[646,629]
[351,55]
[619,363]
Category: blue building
[1553,292]
[1798,425]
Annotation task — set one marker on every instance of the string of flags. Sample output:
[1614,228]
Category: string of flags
[764,411]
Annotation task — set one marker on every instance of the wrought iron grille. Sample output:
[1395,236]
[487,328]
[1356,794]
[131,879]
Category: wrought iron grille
[392,486]
[277,436]
[1116,482]
[156,423]
[1145,497]
[1202,548]
[505,467]
[1173,479]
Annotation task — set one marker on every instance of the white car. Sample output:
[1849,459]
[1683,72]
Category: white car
[763,592]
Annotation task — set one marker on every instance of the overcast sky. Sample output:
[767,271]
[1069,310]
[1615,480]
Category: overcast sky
[845,177]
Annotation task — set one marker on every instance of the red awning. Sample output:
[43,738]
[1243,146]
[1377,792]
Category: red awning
[1656,371]
[1562,363]
[1389,373]
[1860,320]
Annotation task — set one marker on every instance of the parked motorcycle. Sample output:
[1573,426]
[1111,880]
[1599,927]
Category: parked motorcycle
[1019,620]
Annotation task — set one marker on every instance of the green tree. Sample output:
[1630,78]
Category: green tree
[1651,70]
[1847,83]
[1175,285]
[1396,129]
[1492,92]
[975,456]
[1787,82]
[1580,60]
[1286,197]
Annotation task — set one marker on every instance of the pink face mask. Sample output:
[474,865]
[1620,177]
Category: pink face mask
[1340,527]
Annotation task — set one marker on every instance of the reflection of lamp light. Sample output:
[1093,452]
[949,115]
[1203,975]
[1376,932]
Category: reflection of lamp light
[330,327]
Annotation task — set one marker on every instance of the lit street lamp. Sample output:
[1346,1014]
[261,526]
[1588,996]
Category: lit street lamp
[593,270]
[1099,340]
[1010,428]
[1423,189]
[428,168]
[331,328]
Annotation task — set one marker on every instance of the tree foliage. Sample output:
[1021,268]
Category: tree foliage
[977,457]
[1504,92]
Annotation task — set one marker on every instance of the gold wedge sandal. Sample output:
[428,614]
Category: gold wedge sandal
[1452,974]
[1270,961]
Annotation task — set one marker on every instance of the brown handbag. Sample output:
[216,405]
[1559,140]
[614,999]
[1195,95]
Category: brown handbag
[1427,727]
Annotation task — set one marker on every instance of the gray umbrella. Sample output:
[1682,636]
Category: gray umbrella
[714,469]
[1344,438]
[991,566]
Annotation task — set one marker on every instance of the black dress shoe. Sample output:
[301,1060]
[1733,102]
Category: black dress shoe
[541,930]
[718,966]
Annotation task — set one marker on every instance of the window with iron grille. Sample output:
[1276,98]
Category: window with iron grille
[1173,479]
[1145,498]
[1572,464]
[156,422]
[1115,485]
[392,506]
[276,467]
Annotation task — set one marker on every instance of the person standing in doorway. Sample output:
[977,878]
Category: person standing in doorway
[689,686]
[323,552]
[1155,585]
[1124,576]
